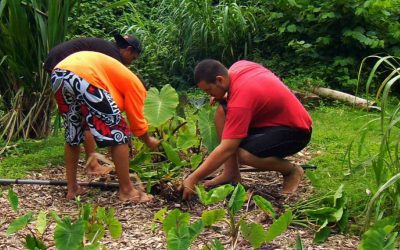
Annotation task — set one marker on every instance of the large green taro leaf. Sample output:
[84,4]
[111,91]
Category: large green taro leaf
[160,106]
[207,128]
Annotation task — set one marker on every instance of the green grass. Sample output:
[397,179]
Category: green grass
[333,130]
[32,155]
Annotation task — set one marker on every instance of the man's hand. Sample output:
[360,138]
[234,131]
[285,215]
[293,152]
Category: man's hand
[188,187]
[213,100]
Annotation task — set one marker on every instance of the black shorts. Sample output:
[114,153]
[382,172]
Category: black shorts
[277,141]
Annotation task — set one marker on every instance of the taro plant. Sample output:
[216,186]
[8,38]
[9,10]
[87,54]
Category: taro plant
[323,213]
[179,137]
[180,233]
[85,232]
[381,235]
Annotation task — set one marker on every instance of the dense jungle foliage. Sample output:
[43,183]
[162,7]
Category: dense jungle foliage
[322,40]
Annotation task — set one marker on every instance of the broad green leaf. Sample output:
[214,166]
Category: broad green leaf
[101,214]
[279,226]
[160,215]
[344,222]
[41,222]
[313,178]
[195,230]
[94,246]
[338,194]
[195,160]
[212,216]
[373,239]
[56,217]
[291,28]
[139,159]
[115,228]
[94,232]
[299,243]
[186,140]
[160,106]
[322,235]
[237,199]
[391,242]
[86,211]
[175,219]
[379,236]
[207,129]
[214,195]
[13,199]
[254,233]
[320,211]
[110,214]
[214,245]
[338,214]
[264,205]
[19,223]
[68,235]
[178,238]
[32,243]
[172,154]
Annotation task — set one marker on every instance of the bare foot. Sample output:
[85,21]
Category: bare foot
[93,167]
[97,169]
[145,198]
[292,180]
[135,196]
[221,179]
[76,192]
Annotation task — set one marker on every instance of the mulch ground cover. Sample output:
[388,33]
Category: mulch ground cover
[137,219]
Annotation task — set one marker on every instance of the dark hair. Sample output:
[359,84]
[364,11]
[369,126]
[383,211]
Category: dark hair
[207,70]
[131,40]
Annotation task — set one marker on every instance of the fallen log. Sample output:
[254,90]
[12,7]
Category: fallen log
[351,99]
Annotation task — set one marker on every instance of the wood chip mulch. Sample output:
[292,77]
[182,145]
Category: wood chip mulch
[137,219]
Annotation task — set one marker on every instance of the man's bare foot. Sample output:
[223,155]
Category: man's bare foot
[75,192]
[97,169]
[135,196]
[93,167]
[292,180]
[221,179]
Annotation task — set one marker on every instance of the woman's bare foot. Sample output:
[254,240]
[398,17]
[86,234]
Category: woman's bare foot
[135,196]
[75,192]
[292,180]
[145,198]
[223,178]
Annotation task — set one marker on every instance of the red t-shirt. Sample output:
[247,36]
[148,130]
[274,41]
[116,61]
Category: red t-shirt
[258,98]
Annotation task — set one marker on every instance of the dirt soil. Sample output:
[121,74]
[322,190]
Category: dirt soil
[137,219]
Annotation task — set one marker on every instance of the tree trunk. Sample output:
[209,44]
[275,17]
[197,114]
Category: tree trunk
[341,96]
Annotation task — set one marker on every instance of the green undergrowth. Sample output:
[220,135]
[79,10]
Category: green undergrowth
[32,155]
[334,128]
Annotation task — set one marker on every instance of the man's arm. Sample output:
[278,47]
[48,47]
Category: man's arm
[225,149]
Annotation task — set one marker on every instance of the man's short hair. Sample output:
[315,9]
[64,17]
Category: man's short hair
[207,70]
